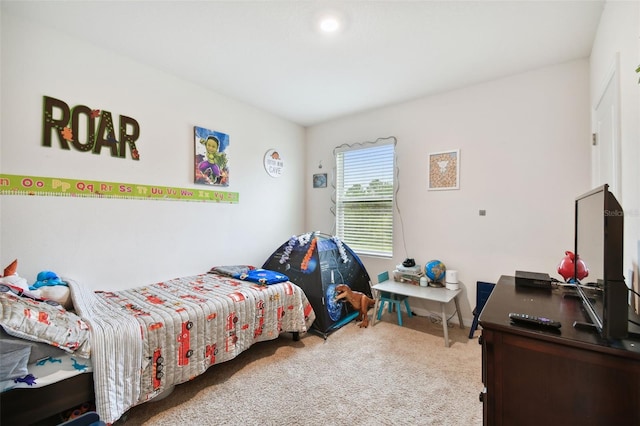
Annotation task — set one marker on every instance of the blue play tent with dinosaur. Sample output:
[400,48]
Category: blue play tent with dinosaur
[317,263]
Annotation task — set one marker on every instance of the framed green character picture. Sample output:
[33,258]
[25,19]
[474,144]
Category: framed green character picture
[211,162]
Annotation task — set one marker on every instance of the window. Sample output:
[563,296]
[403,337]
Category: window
[364,197]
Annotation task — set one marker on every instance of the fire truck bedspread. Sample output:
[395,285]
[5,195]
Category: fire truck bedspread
[148,339]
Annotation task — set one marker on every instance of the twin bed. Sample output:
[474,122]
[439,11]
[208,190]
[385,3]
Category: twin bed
[127,347]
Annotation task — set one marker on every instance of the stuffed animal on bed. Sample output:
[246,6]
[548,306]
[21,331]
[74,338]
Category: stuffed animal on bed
[48,285]
[47,279]
[10,277]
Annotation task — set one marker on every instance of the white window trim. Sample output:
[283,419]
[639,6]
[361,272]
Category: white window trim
[391,140]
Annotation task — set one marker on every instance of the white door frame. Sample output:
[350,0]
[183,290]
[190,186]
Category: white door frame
[610,83]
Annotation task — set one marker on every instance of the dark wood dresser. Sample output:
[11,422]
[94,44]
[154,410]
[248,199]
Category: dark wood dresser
[534,376]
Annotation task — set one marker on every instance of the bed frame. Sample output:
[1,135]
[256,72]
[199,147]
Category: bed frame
[27,406]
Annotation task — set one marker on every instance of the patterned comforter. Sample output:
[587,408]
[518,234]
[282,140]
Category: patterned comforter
[147,339]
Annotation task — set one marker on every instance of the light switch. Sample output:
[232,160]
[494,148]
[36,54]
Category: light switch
[482,212]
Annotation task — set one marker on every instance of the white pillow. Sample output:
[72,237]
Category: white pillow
[57,293]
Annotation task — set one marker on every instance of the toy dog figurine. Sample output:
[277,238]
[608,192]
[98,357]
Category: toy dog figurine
[360,302]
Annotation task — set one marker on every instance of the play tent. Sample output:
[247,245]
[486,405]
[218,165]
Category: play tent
[317,263]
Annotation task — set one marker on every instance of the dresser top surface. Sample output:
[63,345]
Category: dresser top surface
[558,304]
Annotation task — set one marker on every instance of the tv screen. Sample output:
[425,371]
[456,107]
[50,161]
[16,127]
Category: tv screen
[590,241]
[599,228]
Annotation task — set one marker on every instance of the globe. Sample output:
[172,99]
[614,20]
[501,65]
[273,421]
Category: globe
[435,270]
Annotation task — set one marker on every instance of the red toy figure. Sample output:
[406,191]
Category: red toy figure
[567,265]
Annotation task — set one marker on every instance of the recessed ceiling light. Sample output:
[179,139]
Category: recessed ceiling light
[329,24]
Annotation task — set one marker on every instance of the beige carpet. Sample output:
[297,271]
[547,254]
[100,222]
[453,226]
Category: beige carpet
[381,375]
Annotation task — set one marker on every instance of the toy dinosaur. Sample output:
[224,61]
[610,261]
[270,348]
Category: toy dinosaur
[360,302]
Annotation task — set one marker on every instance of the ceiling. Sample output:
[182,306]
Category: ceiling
[269,53]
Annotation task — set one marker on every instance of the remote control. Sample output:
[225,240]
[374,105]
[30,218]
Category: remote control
[533,320]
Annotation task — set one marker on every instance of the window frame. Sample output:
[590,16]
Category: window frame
[386,201]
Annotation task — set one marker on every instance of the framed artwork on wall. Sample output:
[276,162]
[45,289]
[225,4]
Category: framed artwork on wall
[273,163]
[444,170]
[320,180]
[211,162]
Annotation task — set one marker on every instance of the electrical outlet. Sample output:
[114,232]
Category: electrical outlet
[482,212]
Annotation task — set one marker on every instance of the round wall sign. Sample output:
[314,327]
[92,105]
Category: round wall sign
[273,163]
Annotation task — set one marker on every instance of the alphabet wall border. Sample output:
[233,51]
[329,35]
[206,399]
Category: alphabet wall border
[63,187]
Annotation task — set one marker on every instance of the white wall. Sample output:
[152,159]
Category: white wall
[111,244]
[524,145]
[619,36]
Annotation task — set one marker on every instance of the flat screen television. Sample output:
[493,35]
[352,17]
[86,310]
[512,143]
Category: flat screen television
[599,228]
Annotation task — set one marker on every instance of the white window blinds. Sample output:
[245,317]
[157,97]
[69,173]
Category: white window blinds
[364,198]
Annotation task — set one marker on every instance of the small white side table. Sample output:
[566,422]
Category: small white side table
[436,294]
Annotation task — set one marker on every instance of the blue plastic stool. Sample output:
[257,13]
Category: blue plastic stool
[393,300]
